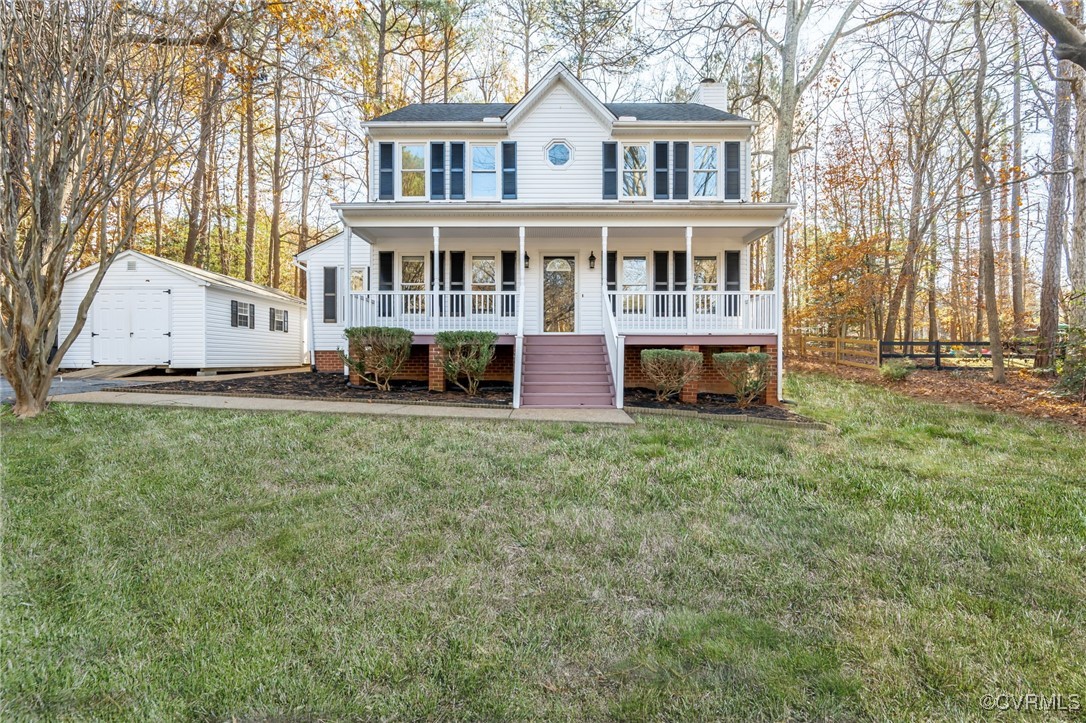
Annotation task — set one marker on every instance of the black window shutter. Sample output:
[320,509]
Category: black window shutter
[330,275]
[271,319]
[679,277]
[612,275]
[509,282]
[285,314]
[731,282]
[659,280]
[252,316]
[610,170]
[385,260]
[456,281]
[233,313]
[456,171]
[387,181]
[681,175]
[509,169]
[660,163]
[437,171]
[731,170]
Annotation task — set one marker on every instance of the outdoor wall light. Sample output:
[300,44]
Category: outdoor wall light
[527,260]
[592,260]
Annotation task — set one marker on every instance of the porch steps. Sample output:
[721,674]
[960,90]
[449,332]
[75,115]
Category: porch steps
[566,371]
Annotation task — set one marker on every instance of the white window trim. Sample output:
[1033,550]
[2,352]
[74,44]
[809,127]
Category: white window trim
[719,258]
[649,182]
[244,305]
[719,170]
[426,272]
[469,164]
[425,171]
[547,154]
[364,271]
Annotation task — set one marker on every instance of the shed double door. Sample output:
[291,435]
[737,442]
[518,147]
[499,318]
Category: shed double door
[131,326]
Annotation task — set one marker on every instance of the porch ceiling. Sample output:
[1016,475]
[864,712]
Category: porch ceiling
[582,235]
[412,222]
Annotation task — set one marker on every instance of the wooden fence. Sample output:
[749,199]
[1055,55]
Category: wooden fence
[862,353]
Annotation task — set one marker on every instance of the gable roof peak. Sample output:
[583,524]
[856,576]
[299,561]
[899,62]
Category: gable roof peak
[559,73]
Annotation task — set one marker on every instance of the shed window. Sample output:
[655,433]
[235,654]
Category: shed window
[278,320]
[242,315]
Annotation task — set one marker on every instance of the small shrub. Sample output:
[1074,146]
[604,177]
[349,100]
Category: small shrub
[1072,380]
[747,372]
[377,353]
[897,370]
[467,355]
[670,369]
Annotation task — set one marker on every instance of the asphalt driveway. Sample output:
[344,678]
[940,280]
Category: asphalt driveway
[74,386]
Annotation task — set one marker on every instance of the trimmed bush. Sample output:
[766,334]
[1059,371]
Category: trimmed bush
[467,355]
[897,370]
[377,353]
[670,369]
[747,372]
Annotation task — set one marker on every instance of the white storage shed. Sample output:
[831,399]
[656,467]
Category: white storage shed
[156,312]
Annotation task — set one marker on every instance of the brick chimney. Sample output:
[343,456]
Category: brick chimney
[712,94]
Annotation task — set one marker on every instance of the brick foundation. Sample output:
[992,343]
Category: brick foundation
[436,368]
[709,381]
[425,365]
[328,361]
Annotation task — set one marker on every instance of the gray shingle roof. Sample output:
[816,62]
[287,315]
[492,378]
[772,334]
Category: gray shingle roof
[474,112]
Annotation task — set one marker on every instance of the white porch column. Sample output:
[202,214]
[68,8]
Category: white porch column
[520,262]
[689,279]
[436,278]
[347,310]
[778,295]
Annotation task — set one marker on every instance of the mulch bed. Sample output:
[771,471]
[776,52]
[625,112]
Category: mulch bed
[722,404]
[334,386]
[1024,393]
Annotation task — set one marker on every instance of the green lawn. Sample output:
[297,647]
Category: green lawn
[180,564]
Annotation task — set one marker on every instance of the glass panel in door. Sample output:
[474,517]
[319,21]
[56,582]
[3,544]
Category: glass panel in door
[559,294]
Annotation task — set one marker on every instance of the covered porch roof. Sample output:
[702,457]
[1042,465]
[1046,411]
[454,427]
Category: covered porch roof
[715,221]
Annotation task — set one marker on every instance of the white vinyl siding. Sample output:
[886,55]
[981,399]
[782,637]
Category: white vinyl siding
[325,336]
[228,346]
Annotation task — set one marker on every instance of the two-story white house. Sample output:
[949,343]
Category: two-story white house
[579,231]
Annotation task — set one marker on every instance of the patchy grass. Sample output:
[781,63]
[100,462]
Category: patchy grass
[164,564]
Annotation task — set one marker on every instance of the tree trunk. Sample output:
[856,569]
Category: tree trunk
[277,170]
[213,83]
[1018,305]
[250,206]
[983,177]
[1055,226]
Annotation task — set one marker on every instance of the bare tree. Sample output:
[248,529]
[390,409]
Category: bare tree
[83,105]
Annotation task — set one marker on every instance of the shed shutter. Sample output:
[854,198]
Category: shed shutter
[285,314]
[387,183]
[385,260]
[252,316]
[680,178]
[330,304]
[660,163]
[271,319]
[233,312]
[610,170]
[456,171]
[509,282]
[437,171]
[659,281]
[509,169]
[731,170]
[456,282]
[612,275]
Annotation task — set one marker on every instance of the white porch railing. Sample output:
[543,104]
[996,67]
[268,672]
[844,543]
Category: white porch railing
[616,349]
[427,312]
[646,312]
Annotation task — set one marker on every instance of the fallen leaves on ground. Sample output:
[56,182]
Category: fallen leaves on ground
[1023,393]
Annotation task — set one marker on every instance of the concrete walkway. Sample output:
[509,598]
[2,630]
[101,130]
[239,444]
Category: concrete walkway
[325,406]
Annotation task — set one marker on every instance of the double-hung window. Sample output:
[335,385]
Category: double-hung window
[278,320]
[635,282]
[413,170]
[635,171]
[706,282]
[484,171]
[244,315]
[706,168]
[413,279]
[484,281]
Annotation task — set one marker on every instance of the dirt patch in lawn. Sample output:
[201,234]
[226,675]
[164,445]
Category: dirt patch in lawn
[334,386]
[723,404]
[1023,393]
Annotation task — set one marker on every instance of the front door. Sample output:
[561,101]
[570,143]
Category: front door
[559,294]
